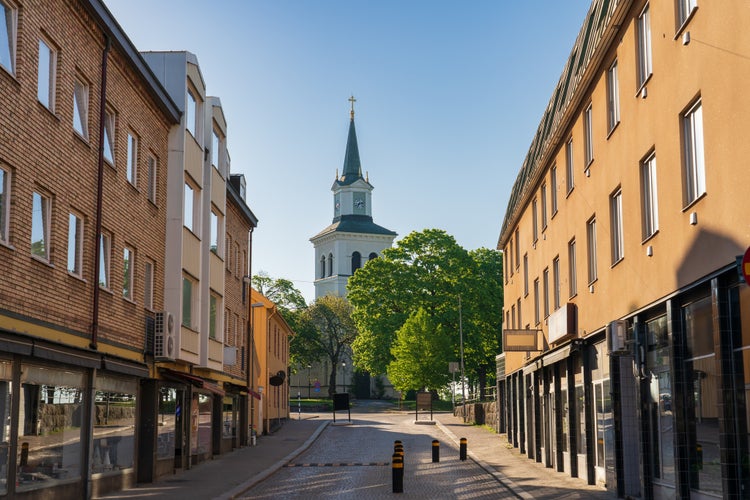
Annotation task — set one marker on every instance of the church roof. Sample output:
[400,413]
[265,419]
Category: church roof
[362,224]
[352,165]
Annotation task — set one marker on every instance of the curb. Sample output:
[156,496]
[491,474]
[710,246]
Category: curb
[500,478]
[242,488]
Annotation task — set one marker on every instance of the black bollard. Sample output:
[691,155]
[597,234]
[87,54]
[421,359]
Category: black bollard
[435,450]
[399,450]
[462,450]
[397,472]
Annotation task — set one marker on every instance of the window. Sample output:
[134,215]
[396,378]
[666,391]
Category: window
[649,201]
[237,263]
[132,158]
[644,46]
[591,248]
[228,254]
[534,217]
[545,290]
[588,137]
[613,97]
[148,279]
[544,205]
[151,174]
[214,241]
[215,144]
[356,261]
[684,9]
[212,316]
[513,316]
[373,255]
[109,137]
[75,244]
[187,302]
[128,265]
[615,210]
[569,164]
[536,301]
[190,110]
[695,172]
[525,274]
[322,266]
[8,25]
[556,282]
[518,250]
[46,75]
[105,246]
[553,188]
[81,108]
[4,204]
[189,207]
[330,264]
[40,226]
[572,282]
[518,307]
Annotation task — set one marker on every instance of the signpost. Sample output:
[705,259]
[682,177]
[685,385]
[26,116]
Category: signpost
[424,402]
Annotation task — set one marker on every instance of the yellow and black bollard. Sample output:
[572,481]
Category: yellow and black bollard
[435,450]
[462,449]
[397,472]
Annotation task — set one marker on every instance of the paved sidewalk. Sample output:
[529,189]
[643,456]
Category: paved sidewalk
[230,475]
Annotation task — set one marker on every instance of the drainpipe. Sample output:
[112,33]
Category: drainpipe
[99,196]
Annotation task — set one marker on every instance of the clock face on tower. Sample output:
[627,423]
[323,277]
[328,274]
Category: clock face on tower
[336,205]
[359,203]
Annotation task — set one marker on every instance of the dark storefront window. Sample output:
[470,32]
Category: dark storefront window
[49,429]
[114,424]
[661,420]
[604,436]
[564,411]
[200,421]
[170,411]
[230,416]
[580,409]
[703,409]
[5,413]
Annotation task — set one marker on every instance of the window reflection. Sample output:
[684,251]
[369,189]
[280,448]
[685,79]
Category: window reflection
[114,424]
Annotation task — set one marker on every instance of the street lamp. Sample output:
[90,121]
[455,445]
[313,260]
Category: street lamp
[463,380]
[308,381]
[343,371]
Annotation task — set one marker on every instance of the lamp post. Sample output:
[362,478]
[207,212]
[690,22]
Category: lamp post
[343,373]
[308,381]
[463,380]
[251,362]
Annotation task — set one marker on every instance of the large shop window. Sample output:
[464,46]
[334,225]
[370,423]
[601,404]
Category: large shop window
[200,421]
[170,412]
[114,424]
[5,414]
[230,416]
[660,417]
[700,367]
[49,429]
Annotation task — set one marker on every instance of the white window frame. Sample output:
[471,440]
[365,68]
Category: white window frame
[75,244]
[572,269]
[649,196]
[188,301]
[5,186]
[8,46]
[149,267]
[616,229]
[693,154]
[81,108]
[215,148]
[537,318]
[132,158]
[570,180]
[128,272]
[591,249]
[153,168]
[109,137]
[534,222]
[588,136]
[213,242]
[556,282]
[40,225]
[613,97]
[553,188]
[643,33]
[685,9]
[47,79]
[191,207]
[543,196]
[105,258]
[191,111]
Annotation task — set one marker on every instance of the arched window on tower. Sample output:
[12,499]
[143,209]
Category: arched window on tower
[322,266]
[330,264]
[356,261]
[373,255]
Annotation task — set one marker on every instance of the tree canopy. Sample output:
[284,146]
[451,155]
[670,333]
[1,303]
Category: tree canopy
[428,270]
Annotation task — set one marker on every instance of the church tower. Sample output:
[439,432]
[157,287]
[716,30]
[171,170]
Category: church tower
[352,238]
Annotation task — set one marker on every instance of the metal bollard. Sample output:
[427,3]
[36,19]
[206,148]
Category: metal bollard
[462,449]
[435,450]
[397,473]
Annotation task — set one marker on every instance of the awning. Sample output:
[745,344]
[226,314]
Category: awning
[192,380]
[557,355]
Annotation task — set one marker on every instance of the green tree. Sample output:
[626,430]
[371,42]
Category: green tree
[329,329]
[421,352]
[428,270]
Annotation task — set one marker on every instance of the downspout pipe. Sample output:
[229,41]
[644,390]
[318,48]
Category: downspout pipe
[99,197]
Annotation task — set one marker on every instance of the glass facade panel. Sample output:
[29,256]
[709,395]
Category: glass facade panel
[170,413]
[114,424]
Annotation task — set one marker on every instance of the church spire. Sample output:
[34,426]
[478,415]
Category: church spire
[352,165]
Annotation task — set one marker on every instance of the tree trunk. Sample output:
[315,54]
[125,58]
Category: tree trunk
[482,376]
[332,379]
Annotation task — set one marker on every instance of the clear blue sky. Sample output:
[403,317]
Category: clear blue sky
[449,96]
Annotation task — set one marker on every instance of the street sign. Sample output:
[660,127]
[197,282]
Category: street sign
[746,266]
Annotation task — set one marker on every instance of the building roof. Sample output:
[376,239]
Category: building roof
[352,166]
[361,224]
[598,30]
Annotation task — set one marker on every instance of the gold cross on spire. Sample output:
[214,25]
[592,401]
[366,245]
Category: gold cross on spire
[352,100]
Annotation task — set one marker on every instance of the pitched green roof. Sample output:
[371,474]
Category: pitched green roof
[352,165]
[362,224]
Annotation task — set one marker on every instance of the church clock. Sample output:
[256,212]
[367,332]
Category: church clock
[359,204]
[337,205]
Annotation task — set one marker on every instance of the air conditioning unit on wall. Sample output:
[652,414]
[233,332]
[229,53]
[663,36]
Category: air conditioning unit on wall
[164,341]
[617,332]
